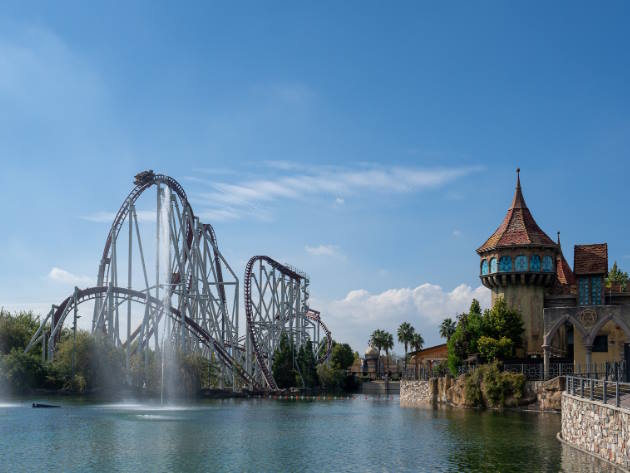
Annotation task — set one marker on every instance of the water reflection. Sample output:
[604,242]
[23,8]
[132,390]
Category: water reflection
[264,435]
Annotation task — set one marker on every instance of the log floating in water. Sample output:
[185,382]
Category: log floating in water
[39,405]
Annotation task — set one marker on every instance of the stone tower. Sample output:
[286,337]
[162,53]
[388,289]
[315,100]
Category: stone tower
[518,264]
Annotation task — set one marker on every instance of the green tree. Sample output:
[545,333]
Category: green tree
[16,330]
[447,328]
[22,371]
[342,356]
[417,342]
[463,342]
[493,335]
[405,335]
[377,339]
[307,366]
[616,277]
[283,363]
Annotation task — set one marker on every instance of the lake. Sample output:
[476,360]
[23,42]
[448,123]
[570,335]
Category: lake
[260,435]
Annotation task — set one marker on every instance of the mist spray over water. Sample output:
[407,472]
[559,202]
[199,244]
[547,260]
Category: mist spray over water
[168,370]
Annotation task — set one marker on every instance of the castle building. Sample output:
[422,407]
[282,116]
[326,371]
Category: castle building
[569,315]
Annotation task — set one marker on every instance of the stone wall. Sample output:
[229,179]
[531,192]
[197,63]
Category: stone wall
[542,395]
[600,429]
[418,393]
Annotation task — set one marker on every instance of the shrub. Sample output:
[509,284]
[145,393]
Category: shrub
[488,385]
[472,389]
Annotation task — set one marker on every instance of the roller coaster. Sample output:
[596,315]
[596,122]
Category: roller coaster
[187,295]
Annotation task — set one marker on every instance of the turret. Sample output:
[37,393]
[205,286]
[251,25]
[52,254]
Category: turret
[517,264]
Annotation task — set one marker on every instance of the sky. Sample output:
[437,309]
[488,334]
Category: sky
[371,144]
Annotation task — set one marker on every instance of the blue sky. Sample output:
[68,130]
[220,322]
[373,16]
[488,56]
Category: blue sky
[373,145]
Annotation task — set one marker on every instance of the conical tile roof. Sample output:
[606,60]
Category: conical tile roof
[518,226]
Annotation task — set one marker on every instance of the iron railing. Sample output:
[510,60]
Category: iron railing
[599,389]
[610,371]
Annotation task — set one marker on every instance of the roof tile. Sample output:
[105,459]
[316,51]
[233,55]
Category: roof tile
[518,226]
[590,259]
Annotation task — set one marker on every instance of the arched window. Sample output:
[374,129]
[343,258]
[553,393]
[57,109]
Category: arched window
[520,263]
[493,265]
[534,263]
[505,264]
[484,267]
[547,264]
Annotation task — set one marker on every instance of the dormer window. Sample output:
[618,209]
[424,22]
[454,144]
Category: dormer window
[583,291]
[596,290]
[590,290]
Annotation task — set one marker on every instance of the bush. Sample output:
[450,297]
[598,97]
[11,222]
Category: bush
[472,389]
[22,371]
[488,385]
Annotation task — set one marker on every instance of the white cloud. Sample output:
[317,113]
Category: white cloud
[324,250]
[65,277]
[304,181]
[353,318]
[339,201]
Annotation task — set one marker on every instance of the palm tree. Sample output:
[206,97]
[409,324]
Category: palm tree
[405,334]
[376,341]
[388,344]
[447,328]
[417,342]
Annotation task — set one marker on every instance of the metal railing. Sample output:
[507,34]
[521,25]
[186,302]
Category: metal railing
[599,389]
[610,371]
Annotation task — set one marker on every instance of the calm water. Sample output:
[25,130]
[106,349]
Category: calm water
[265,435]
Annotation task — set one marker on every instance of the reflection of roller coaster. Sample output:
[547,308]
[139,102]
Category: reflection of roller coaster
[184,296]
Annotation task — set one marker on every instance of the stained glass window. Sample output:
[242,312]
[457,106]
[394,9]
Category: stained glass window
[596,290]
[520,263]
[505,264]
[534,263]
[493,265]
[583,291]
[484,266]
[547,264]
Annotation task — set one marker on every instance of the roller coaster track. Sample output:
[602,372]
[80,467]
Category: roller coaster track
[195,271]
[315,316]
[262,357]
[193,327]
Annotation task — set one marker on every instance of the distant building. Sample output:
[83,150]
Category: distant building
[428,357]
[375,367]
[569,315]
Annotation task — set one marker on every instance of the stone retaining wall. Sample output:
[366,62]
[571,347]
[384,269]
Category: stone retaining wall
[418,393]
[600,429]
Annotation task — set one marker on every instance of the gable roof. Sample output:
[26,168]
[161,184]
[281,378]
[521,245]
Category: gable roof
[518,226]
[590,259]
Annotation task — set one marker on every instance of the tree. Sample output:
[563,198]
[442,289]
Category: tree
[16,330]
[447,328]
[493,335]
[342,356]
[617,277]
[417,342]
[405,335]
[388,344]
[282,366]
[376,341]
[307,366]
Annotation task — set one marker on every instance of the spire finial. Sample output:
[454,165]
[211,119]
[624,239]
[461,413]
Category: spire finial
[558,237]
[518,177]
